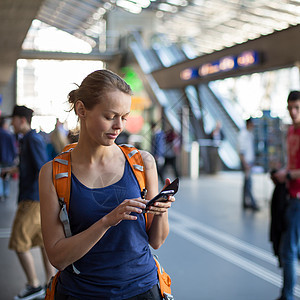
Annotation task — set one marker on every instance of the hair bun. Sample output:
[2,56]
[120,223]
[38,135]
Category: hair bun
[72,97]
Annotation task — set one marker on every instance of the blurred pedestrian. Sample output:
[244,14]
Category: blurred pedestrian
[26,232]
[8,153]
[247,157]
[158,148]
[217,134]
[216,137]
[59,137]
[172,149]
[290,239]
[57,140]
[123,138]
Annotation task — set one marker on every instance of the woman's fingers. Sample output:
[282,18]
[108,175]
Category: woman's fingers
[124,211]
[161,207]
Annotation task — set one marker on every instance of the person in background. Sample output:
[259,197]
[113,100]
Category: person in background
[26,231]
[217,134]
[8,153]
[158,148]
[109,245]
[247,157]
[58,137]
[290,239]
[172,148]
[216,137]
[57,140]
[123,138]
[73,136]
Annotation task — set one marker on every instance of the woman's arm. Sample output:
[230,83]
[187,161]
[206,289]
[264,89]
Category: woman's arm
[158,214]
[64,251]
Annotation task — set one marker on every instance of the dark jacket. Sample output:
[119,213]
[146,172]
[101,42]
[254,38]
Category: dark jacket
[7,148]
[33,156]
[278,206]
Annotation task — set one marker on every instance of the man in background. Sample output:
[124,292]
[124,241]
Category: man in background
[26,231]
[290,239]
[247,157]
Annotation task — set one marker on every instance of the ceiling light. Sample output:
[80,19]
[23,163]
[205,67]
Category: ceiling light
[129,6]
[107,5]
[178,2]
[141,3]
[167,7]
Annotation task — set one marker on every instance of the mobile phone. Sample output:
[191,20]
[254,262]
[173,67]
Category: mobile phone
[170,190]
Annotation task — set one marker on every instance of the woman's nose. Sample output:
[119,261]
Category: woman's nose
[118,123]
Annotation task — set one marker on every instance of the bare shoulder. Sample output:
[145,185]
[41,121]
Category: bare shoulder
[148,159]
[46,169]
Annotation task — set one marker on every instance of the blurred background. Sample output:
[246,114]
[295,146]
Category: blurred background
[198,70]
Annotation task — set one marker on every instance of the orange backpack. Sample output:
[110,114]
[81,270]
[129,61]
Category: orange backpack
[61,173]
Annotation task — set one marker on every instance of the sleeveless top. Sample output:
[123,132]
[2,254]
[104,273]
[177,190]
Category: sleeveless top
[120,265]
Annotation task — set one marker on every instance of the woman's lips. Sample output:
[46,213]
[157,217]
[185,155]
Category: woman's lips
[112,135]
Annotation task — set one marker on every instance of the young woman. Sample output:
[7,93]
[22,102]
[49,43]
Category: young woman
[109,245]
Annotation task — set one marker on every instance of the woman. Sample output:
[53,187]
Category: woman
[109,246]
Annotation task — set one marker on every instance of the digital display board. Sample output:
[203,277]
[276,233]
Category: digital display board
[225,64]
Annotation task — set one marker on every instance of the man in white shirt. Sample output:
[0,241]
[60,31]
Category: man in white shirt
[247,156]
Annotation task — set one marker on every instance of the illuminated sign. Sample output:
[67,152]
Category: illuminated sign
[225,64]
[247,58]
[189,74]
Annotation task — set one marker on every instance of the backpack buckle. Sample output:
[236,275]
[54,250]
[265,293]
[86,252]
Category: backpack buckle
[168,296]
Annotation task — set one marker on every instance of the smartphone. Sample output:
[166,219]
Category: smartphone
[170,190]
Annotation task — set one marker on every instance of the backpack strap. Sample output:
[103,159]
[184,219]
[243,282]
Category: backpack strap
[135,160]
[136,163]
[61,173]
[62,177]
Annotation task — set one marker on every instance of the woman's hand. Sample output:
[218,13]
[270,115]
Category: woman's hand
[158,207]
[123,211]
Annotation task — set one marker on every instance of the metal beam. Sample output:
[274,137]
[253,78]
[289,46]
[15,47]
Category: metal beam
[105,57]
[279,50]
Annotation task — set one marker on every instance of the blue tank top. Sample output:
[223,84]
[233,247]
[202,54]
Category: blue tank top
[120,265]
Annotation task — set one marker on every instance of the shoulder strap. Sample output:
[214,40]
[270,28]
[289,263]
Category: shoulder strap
[135,160]
[61,166]
[61,173]
[69,147]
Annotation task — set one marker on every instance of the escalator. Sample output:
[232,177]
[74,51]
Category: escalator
[231,124]
[148,61]
[204,106]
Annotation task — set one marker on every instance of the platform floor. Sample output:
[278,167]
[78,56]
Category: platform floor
[215,249]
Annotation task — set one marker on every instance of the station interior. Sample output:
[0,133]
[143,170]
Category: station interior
[191,64]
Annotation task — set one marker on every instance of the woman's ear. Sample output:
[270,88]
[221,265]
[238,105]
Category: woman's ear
[80,109]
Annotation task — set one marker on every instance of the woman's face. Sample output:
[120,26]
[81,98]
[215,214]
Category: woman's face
[108,118]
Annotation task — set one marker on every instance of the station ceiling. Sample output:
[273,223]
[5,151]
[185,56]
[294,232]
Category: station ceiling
[206,25]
